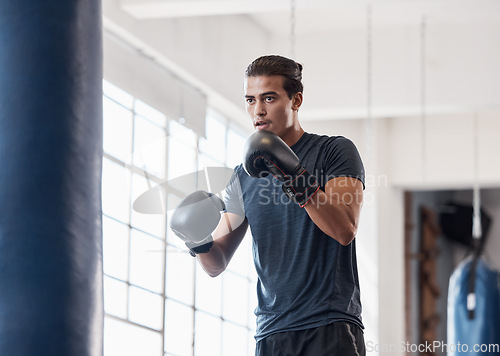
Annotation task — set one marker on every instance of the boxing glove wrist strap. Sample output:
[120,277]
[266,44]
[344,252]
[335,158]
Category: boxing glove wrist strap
[301,188]
[194,250]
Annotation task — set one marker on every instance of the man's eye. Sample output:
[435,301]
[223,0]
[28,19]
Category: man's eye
[269,98]
[249,100]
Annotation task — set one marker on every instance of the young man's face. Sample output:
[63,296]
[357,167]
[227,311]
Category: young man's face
[269,106]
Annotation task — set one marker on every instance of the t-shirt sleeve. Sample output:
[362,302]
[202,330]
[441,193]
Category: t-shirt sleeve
[232,195]
[343,160]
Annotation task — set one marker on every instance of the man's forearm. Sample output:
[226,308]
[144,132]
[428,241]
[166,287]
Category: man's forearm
[227,238]
[214,261]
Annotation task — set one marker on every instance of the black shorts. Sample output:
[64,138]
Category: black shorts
[338,338]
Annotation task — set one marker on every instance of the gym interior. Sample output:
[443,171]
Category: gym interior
[103,102]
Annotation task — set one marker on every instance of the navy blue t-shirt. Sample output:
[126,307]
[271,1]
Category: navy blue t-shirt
[306,279]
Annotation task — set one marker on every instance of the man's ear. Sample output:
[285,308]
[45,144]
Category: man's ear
[297,101]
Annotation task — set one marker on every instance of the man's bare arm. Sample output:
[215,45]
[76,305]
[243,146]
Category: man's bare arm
[336,211]
[227,237]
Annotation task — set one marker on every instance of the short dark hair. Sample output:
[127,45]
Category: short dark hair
[279,65]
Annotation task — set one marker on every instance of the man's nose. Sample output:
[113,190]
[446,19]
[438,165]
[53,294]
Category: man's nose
[260,110]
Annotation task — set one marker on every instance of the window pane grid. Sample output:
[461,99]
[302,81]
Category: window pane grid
[132,227]
[149,147]
[156,260]
[118,95]
[134,169]
[144,327]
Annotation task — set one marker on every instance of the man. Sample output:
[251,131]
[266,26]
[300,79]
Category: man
[303,218]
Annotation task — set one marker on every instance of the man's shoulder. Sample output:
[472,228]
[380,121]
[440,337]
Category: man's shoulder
[240,175]
[319,139]
[239,170]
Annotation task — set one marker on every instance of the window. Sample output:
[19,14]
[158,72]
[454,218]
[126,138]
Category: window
[158,301]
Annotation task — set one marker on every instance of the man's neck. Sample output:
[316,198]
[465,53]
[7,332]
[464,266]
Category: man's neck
[293,136]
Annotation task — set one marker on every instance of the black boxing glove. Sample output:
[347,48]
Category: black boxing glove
[266,153]
[195,219]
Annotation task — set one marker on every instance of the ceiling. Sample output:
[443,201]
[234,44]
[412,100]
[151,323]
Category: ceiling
[463,49]
[319,15]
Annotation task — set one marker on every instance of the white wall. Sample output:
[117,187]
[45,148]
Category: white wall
[460,63]
[449,156]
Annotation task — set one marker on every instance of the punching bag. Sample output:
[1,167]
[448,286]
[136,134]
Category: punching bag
[50,177]
[479,326]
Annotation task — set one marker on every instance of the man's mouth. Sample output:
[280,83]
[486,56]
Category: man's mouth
[261,124]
